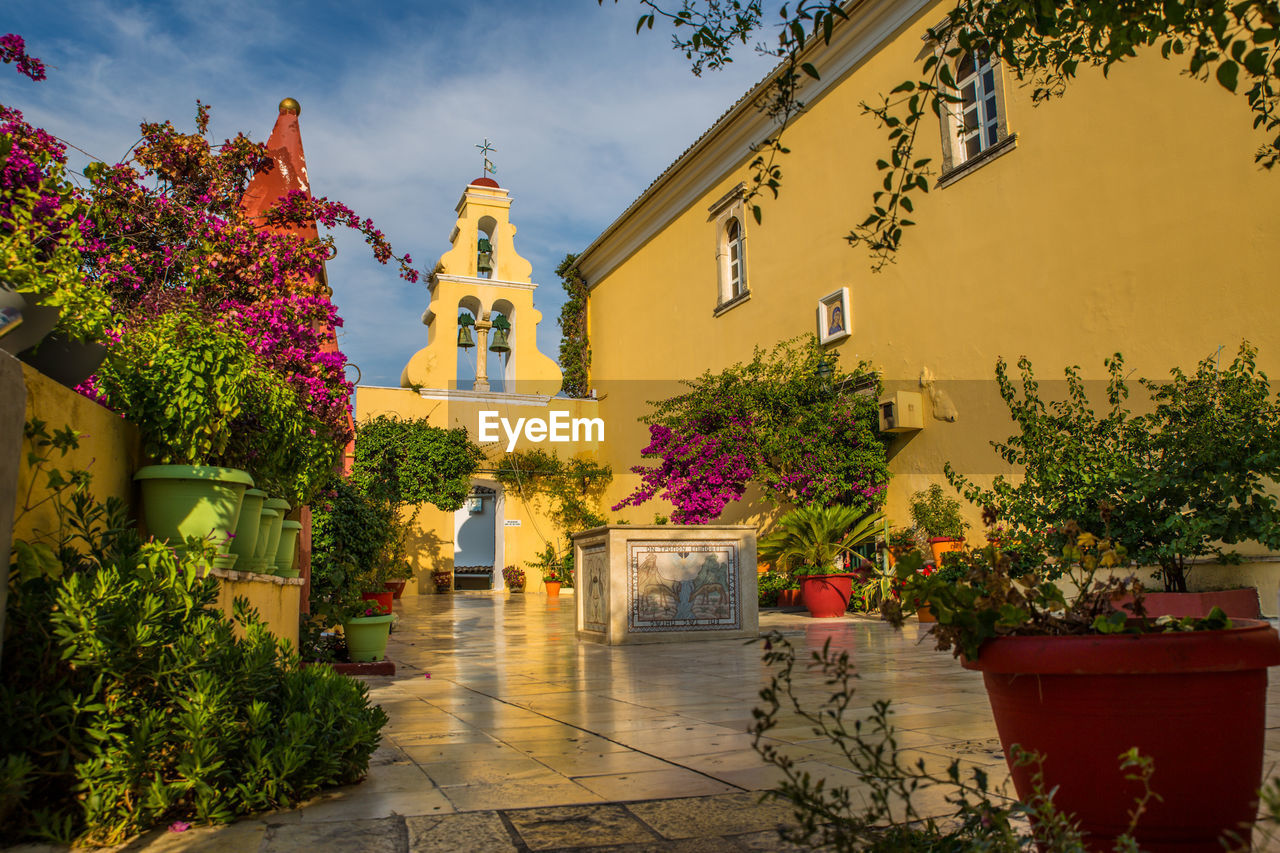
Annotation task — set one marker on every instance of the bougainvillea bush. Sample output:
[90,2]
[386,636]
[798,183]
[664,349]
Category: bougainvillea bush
[778,422]
[166,231]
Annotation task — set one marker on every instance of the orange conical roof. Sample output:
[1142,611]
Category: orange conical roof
[288,174]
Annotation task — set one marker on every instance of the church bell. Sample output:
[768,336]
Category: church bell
[464,332]
[484,257]
[501,335]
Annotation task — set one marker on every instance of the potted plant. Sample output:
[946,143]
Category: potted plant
[366,632]
[443,579]
[938,516]
[1079,682]
[812,543]
[398,574]
[900,542]
[513,577]
[215,423]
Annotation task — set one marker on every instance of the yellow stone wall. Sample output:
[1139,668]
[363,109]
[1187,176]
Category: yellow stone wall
[111,451]
[1129,217]
[431,545]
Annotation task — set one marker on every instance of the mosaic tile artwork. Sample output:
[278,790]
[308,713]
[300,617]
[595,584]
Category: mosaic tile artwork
[684,586]
[595,575]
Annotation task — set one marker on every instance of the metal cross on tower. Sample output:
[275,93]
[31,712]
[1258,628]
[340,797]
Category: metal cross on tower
[489,168]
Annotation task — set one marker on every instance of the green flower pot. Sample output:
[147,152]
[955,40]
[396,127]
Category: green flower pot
[247,528]
[289,531]
[268,517]
[273,538]
[367,637]
[180,501]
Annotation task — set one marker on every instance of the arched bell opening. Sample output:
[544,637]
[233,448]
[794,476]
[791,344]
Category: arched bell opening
[504,362]
[486,259]
[467,339]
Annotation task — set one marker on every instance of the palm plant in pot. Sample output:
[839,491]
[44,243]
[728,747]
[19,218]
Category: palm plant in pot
[1078,681]
[938,516]
[812,543]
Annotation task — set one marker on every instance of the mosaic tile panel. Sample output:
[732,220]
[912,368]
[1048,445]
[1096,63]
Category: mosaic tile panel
[682,586]
[595,580]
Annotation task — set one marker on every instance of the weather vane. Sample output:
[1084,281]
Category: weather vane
[489,168]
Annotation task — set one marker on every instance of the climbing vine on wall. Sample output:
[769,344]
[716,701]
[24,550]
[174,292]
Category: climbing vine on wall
[575,348]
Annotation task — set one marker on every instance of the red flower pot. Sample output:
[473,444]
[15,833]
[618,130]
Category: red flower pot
[383,599]
[1194,702]
[396,588]
[1236,603]
[826,596]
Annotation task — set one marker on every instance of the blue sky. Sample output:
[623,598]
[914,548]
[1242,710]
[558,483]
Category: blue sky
[395,95]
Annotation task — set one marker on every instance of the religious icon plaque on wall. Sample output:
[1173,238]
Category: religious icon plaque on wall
[834,321]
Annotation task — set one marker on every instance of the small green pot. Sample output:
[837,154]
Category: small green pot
[247,527]
[259,561]
[273,538]
[180,501]
[289,531]
[367,637]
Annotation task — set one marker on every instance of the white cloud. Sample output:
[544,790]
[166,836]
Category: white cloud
[584,114]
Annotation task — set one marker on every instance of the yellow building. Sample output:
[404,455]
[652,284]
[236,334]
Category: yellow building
[1128,216]
[484,279]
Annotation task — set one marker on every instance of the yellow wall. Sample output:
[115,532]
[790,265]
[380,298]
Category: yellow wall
[275,599]
[110,450]
[1130,217]
[431,545]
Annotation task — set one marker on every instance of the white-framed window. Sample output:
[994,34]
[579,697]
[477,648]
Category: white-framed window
[977,126]
[728,217]
[736,258]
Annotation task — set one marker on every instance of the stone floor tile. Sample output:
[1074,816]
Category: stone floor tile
[578,826]
[601,763]
[648,784]
[245,836]
[436,752]
[366,836]
[472,831]
[518,795]
[726,814]
[497,771]
[354,804]
[685,845]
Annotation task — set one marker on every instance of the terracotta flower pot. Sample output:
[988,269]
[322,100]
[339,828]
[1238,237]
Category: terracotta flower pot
[940,545]
[925,614]
[788,598]
[383,599]
[1194,702]
[553,588]
[395,587]
[826,596]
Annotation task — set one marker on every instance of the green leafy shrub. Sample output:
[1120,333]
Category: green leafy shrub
[131,701]
[404,463]
[937,514]
[771,583]
[352,540]
[1195,473]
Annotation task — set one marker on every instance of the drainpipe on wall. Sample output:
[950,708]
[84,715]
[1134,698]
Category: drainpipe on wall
[13,409]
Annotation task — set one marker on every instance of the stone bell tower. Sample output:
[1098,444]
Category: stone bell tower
[481,285]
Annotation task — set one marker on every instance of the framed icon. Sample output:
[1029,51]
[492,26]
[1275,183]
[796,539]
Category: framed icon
[834,321]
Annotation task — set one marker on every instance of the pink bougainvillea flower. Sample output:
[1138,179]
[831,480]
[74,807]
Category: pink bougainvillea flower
[179,826]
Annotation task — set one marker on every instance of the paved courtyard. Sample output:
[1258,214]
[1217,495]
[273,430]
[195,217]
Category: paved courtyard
[508,735]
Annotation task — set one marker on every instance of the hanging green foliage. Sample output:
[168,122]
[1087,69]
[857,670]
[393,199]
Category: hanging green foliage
[405,463]
[575,347]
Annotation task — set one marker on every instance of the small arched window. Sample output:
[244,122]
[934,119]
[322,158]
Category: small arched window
[978,119]
[736,258]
